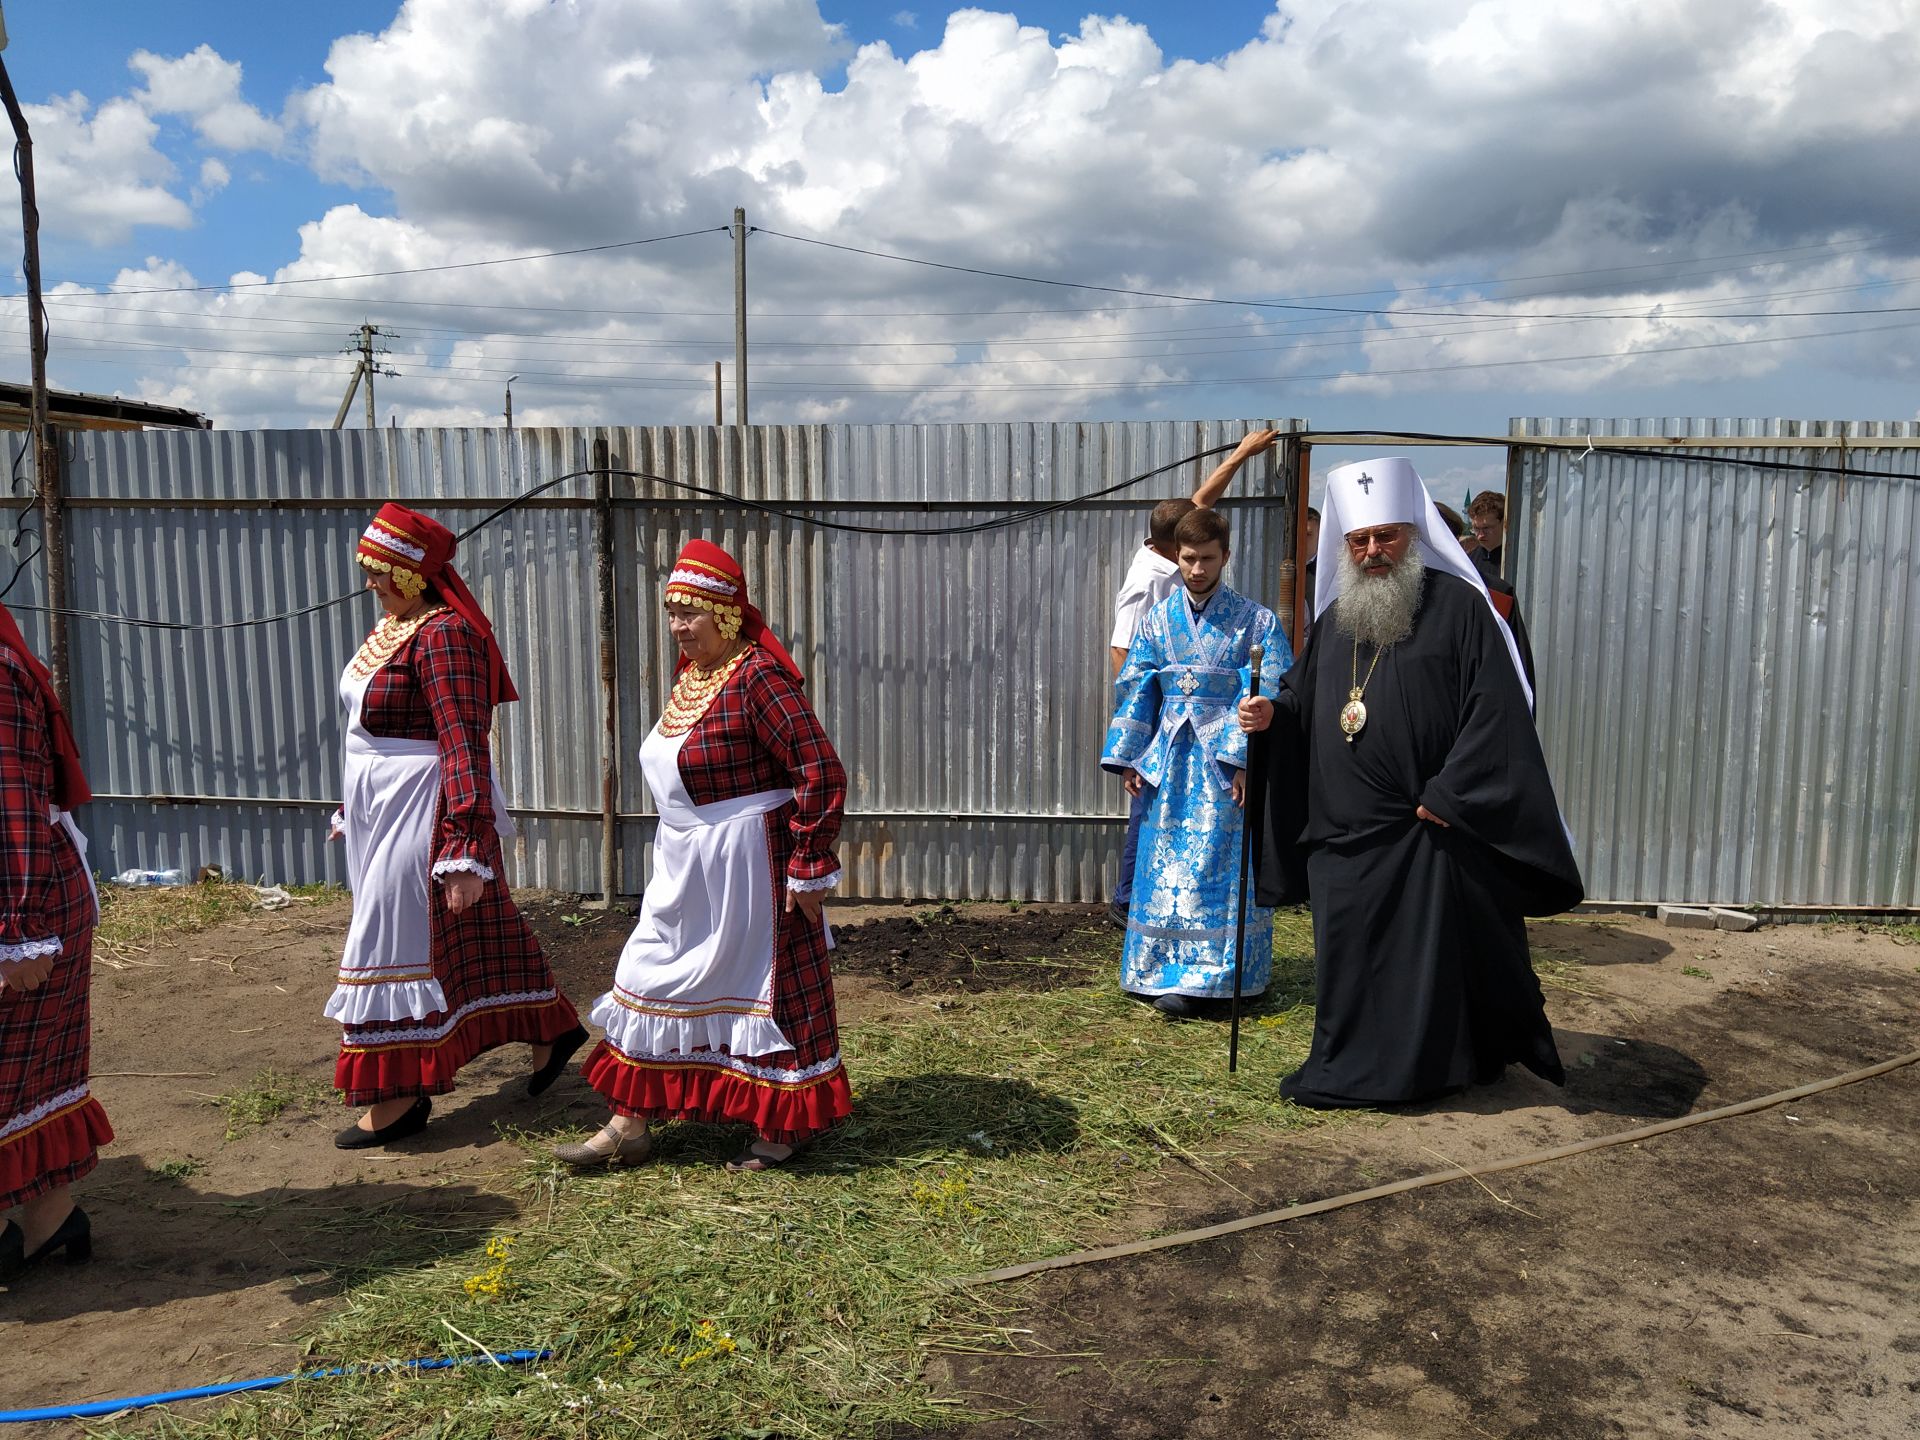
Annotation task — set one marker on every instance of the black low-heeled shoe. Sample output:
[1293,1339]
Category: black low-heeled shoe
[563,1047]
[411,1123]
[74,1235]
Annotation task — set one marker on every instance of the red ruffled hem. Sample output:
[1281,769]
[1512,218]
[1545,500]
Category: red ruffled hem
[372,1073]
[57,1151]
[780,1113]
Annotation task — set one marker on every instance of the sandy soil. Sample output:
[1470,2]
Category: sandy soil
[1745,1278]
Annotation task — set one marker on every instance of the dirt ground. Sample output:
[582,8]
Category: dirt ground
[1754,1276]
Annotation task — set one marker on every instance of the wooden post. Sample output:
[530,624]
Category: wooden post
[46,453]
[719,412]
[609,667]
[1303,488]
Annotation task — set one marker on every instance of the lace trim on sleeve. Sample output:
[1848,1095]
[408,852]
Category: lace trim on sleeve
[30,950]
[443,868]
[825,882]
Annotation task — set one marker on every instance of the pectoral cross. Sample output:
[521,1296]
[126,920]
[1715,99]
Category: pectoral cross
[1365,482]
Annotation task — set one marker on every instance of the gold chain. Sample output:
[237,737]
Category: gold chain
[387,637]
[693,692]
[1359,687]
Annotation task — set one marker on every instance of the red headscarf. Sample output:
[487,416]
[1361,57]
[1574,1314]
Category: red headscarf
[415,551]
[706,577]
[70,786]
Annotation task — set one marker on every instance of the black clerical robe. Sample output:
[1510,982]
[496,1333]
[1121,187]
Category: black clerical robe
[1420,950]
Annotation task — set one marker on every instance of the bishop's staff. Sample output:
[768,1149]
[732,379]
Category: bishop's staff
[1248,809]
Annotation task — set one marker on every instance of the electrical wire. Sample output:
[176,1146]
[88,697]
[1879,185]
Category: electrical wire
[998,522]
[1295,305]
[410,270]
[93,1408]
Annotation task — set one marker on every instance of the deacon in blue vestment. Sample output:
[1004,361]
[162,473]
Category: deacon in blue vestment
[1176,739]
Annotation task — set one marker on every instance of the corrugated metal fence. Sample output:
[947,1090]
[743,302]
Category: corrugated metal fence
[963,677]
[1728,657]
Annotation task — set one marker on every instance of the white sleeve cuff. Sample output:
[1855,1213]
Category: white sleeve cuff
[825,882]
[30,950]
[444,868]
[338,824]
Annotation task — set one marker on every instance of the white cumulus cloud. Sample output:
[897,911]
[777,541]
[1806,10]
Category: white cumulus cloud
[205,89]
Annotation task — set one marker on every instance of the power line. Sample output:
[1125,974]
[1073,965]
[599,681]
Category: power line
[412,270]
[1851,246]
[1451,313]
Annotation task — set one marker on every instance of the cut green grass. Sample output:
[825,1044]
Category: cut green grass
[266,1097]
[686,1302]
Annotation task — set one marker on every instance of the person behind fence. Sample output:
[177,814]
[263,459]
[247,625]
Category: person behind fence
[439,964]
[1153,575]
[1487,512]
[51,1127]
[722,1003]
[1410,802]
[1174,740]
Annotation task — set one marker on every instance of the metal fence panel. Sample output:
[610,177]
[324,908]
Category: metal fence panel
[1728,658]
[963,678]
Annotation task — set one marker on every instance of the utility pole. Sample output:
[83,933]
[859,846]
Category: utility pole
[739,315]
[510,380]
[365,369]
[46,457]
[719,415]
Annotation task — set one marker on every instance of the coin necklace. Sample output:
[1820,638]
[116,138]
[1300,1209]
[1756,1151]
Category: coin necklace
[385,641]
[1353,715]
[693,692]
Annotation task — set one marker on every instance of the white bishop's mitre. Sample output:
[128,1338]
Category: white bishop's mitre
[1389,491]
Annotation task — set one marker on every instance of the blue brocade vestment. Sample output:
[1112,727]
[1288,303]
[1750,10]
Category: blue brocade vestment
[1174,722]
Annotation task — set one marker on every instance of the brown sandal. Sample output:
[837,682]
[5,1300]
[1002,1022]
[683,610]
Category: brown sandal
[751,1160]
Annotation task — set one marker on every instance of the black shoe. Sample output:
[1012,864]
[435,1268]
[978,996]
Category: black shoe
[411,1123]
[1117,914]
[75,1236]
[1176,1007]
[563,1047]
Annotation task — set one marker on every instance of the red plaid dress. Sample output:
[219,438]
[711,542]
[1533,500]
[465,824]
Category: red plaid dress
[499,988]
[50,1126]
[759,734]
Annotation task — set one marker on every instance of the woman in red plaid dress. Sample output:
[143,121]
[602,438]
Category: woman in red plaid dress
[50,1125]
[722,1003]
[439,965]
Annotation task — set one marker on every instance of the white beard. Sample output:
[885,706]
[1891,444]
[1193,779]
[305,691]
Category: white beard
[1378,609]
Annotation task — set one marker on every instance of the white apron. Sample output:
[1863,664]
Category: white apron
[697,972]
[390,793]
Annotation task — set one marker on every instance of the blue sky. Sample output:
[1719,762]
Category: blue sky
[1708,202]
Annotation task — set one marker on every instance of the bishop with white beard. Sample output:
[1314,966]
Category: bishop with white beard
[1409,802]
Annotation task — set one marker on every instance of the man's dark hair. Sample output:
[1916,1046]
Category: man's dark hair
[1489,502]
[1166,515]
[1452,517]
[1201,527]
[1312,514]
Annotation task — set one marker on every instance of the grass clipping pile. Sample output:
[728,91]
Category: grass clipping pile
[990,1126]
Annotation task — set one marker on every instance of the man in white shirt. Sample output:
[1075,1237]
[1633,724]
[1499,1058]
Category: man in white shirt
[1154,575]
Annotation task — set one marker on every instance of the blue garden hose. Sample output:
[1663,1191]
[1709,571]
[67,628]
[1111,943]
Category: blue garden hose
[268,1382]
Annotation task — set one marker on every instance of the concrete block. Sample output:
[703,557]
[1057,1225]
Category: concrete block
[1738,921]
[1686,917]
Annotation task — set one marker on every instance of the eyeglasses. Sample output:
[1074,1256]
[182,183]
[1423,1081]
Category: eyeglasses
[1358,541]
